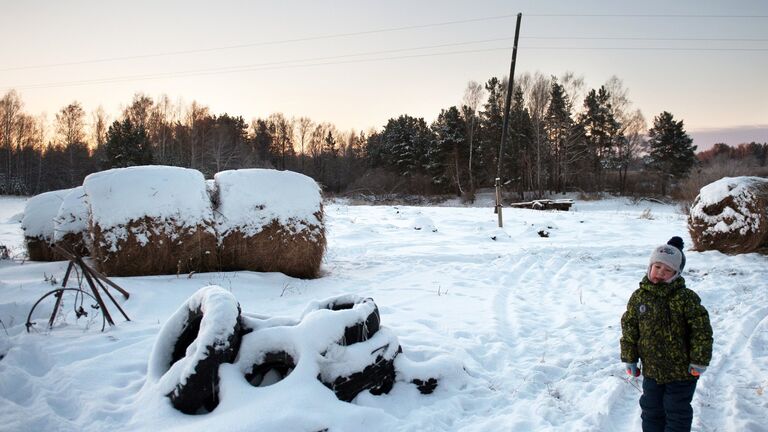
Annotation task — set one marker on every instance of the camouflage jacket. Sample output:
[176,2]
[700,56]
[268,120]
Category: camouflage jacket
[667,328]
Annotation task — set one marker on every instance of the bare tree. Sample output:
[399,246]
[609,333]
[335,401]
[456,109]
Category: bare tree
[139,110]
[70,130]
[10,109]
[283,138]
[304,126]
[632,127]
[99,127]
[473,95]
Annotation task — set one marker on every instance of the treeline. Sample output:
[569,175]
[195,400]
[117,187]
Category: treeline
[562,137]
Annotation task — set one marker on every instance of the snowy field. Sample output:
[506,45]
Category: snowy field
[524,330]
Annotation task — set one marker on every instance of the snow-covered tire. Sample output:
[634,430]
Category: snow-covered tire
[368,365]
[201,335]
[280,362]
[365,318]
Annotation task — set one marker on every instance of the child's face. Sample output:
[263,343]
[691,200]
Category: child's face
[660,273]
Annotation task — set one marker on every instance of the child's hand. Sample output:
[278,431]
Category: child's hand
[696,370]
[632,369]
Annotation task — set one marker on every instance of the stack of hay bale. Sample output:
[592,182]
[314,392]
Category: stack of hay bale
[270,221]
[37,223]
[731,216]
[149,220]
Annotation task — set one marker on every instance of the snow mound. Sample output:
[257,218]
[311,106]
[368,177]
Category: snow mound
[250,199]
[40,212]
[119,196]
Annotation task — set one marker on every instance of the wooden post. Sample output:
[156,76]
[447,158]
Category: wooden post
[504,128]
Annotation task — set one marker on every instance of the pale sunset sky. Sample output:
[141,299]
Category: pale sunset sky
[358,63]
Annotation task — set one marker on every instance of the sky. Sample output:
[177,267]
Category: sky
[357,64]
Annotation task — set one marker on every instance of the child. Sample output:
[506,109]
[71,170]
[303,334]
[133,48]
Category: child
[667,329]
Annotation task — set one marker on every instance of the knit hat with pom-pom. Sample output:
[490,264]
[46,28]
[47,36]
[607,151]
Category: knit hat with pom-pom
[670,254]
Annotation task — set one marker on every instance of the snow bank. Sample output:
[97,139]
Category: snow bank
[729,215]
[38,223]
[269,221]
[151,220]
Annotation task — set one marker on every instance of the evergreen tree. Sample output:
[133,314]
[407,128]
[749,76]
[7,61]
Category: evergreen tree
[127,145]
[489,135]
[671,151]
[405,141]
[601,130]
[517,155]
[446,152]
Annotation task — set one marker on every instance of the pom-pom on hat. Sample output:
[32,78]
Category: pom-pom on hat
[670,254]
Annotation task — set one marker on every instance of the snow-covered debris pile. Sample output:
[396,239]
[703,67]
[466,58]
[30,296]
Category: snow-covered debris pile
[38,224]
[270,221]
[70,226]
[730,214]
[337,344]
[149,220]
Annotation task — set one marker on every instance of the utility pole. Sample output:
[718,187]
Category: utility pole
[506,120]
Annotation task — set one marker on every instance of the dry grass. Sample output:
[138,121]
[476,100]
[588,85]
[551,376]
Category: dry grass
[41,250]
[192,249]
[276,249]
[74,242]
[731,242]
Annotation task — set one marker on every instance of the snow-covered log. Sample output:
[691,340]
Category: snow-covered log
[729,215]
[270,221]
[150,220]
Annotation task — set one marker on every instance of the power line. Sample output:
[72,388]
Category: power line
[336,60]
[404,28]
[255,44]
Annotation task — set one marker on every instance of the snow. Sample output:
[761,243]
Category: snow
[740,219]
[40,212]
[119,196]
[522,332]
[72,216]
[250,199]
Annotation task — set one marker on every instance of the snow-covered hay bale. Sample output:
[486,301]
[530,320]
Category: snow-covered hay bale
[37,224]
[150,220]
[70,226]
[270,221]
[730,214]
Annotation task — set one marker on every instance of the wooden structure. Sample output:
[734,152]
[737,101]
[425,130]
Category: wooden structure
[544,204]
[95,281]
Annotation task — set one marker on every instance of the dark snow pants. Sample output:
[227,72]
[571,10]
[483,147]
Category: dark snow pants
[667,407]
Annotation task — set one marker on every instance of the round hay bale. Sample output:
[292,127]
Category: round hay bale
[150,220]
[270,221]
[70,226]
[729,215]
[38,224]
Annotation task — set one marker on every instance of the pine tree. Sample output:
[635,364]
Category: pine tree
[127,145]
[672,153]
[405,141]
[446,151]
[518,161]
[601,130]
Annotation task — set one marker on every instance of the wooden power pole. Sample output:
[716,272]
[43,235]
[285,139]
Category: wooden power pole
[506,120]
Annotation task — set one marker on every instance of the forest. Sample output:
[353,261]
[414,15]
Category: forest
[562,137]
